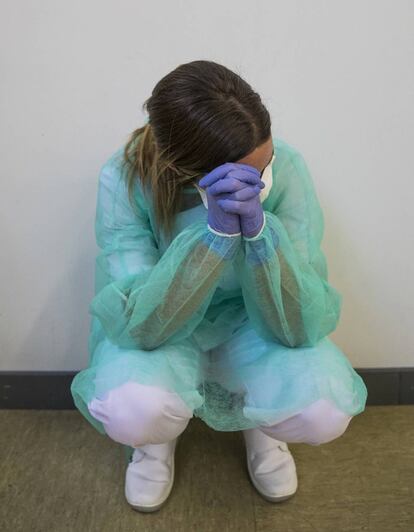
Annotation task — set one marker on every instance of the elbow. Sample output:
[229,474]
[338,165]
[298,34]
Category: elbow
[297,343]
[311,339]
[138,338]
[136,342]
[116,323]
[301,342]
[301,339]
[311,332]
[297,335]
[288,340]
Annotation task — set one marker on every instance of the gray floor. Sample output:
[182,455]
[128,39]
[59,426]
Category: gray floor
[57,473]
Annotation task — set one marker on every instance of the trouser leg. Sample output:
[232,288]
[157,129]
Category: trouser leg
[136,414]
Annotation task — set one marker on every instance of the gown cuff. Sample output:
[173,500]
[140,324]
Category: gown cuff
[221,234]
[260,232]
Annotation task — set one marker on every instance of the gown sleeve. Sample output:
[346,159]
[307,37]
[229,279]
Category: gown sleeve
[143,298]
[283,271]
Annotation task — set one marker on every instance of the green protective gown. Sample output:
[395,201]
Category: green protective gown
[237,327]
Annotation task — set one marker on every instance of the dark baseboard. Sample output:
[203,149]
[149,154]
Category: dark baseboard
[50,390]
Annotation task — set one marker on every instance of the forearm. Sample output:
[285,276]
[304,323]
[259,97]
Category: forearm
[181,300]
[172,299]
[282,316]
[286,299]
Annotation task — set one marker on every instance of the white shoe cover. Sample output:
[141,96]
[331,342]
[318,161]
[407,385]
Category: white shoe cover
[271,466]
[150,475]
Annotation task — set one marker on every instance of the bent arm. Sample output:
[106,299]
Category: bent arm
[141,298]
[283,271]
[170,300]
[285,297]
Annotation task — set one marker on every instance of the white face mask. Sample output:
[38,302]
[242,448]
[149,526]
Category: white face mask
[267,178]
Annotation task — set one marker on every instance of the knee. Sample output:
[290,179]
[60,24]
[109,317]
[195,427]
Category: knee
[320,422]
[136,414]
[324,422]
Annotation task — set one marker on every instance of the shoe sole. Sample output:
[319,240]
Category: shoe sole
[270,498]
[158,505]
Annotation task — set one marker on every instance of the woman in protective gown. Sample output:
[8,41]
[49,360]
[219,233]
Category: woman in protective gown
[212,296]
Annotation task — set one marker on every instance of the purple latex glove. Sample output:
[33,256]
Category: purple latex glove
[241,199]
[220,185]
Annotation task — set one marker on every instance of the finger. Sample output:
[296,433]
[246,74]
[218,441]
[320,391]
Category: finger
[248,167]
[243,208]
[221,170]
[217,173]
[246,176]
[244,194]
[232,184]
[226,185]
[230,206]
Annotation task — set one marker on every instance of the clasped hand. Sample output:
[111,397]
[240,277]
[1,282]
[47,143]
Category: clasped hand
[234,205]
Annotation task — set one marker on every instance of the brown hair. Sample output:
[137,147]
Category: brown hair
[201,115]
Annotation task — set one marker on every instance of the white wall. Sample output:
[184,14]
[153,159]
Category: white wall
[337,78]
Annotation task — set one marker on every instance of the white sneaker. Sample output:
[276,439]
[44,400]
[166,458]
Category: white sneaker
[150,475]
[271,466]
